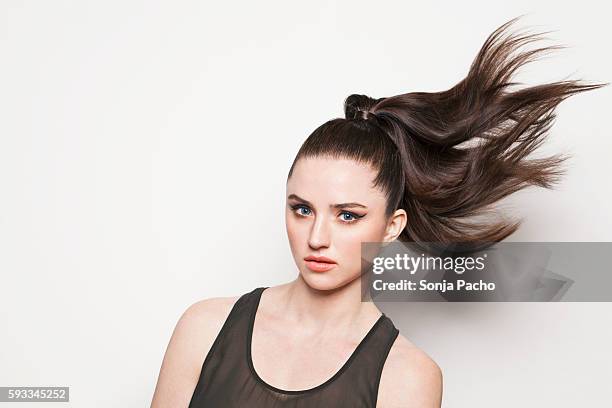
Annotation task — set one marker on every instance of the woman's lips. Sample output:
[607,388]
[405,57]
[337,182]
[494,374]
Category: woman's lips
[319,264]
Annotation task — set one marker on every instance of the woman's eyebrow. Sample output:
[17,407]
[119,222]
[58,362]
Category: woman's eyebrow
[341,205]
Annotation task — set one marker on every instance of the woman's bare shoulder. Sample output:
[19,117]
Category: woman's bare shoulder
[410,378]
[191,340]
[201,322]
[208,313]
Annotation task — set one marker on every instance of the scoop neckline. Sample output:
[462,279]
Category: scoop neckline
[337,374]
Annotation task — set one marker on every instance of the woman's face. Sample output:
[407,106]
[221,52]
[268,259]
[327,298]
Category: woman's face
[331,209]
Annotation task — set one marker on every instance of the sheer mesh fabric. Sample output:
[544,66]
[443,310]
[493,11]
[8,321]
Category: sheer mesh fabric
[228,379]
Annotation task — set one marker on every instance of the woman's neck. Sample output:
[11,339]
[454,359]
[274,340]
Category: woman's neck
[320,311]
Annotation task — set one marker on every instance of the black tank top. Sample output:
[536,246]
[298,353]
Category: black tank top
[228,379]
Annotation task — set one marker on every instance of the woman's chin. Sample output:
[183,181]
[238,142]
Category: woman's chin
[324,281]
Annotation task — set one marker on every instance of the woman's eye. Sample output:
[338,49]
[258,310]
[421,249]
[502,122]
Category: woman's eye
[306,210]
[298,208]
[348,217]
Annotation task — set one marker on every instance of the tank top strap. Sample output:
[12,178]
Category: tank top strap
[365,370]
[227,354]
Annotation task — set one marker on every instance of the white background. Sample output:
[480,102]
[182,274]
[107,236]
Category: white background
[144,148]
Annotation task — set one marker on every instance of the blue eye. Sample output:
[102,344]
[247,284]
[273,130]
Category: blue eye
[353,217]
[304,208]
[297,208]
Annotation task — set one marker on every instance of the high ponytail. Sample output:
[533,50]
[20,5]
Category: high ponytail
[447,157]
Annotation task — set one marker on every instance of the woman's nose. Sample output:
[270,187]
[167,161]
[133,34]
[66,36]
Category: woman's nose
[319,233]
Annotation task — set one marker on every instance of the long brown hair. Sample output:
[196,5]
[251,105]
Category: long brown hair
[446,157]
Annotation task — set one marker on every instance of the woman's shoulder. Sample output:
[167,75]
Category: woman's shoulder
[200,323]
[207,315]
[210,306]
[410,377]
[192,338]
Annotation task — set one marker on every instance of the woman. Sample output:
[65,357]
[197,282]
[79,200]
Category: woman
[412,167]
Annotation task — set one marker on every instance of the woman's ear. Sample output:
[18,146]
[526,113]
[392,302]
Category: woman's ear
[397,223]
